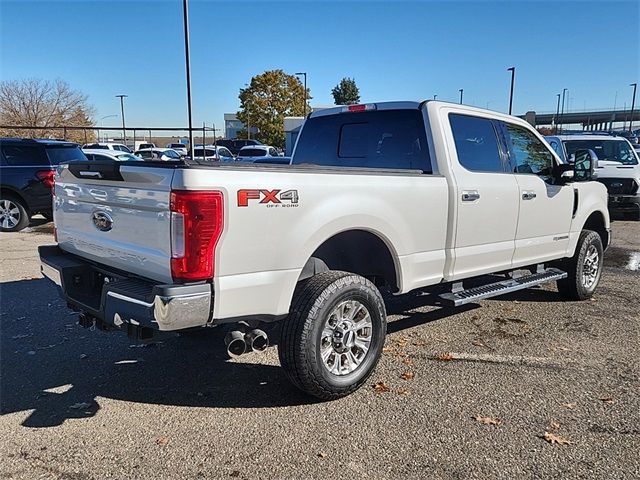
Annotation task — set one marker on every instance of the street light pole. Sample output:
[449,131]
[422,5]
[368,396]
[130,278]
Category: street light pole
[185,14]
[513,77]
[461,92]
[100,122]
[557,113]
[564,90]
[633,103]
[435,96]
[124,129]
[304,105]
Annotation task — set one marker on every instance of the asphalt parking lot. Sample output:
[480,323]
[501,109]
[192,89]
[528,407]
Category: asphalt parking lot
[523,386]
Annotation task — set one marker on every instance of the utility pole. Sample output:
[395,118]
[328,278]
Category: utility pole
[633,104]
[124,129]
[564,91]
[557,114]
[461,92]
[304,105]
[513,77]
[185,14]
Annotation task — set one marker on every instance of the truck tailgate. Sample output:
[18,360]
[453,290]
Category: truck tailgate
[116,214]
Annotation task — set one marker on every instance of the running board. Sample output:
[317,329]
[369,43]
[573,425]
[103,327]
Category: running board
[500,288]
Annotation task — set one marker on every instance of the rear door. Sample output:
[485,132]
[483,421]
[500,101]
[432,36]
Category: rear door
[116,214]
[545,209]
[486,198]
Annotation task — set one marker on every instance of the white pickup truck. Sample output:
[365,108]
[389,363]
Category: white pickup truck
[387,197]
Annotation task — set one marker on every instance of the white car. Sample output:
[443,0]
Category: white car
[181,148]
[166,154]
[97,155]
[251,153]
[379,199]
[212,153]
[107,146]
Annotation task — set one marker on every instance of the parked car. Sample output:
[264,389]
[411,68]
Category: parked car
[107,146]
[212,153]
[257,152]
[178,147]
[97,155]
[145,146]
[617,167]
[235,145]
[158,154]
[381,199]
[26,177]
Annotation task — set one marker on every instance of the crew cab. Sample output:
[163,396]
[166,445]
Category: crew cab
[617,167]
[379,199]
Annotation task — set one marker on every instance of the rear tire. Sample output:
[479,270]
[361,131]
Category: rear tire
[13,214]
[584,268]
[332,339]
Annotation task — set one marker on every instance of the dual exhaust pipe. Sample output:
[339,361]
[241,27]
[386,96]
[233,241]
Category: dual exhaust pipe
[239,342]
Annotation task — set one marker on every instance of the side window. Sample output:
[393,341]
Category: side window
[272,152]
[24,155]
[527,153]
[476,143]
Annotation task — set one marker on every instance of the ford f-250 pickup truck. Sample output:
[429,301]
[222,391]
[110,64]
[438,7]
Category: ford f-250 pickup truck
[387,197]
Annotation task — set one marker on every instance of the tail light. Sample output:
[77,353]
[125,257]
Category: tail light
[47,177]
[196,225]
[363,107]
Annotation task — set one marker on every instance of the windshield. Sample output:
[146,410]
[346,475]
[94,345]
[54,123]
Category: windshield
[616,150]
[252,152]
[64,154]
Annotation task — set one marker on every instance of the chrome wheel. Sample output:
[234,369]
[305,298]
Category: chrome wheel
[590,267]
[9,214]
[346,337]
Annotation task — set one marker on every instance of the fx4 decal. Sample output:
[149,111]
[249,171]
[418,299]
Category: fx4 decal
[269,198]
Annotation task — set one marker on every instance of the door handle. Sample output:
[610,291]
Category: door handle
[470,195]
[528,195]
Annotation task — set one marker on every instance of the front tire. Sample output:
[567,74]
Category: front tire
[13,214]
[332,339]
[584,268]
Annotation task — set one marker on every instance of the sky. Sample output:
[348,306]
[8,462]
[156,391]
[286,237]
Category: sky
[394,50]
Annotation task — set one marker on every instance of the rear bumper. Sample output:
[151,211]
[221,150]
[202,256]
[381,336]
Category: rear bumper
[118,300]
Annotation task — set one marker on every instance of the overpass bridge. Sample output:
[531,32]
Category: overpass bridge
[590,119]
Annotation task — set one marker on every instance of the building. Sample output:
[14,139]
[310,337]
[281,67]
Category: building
[232,126]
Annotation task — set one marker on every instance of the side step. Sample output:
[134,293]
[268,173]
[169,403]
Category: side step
[500,288]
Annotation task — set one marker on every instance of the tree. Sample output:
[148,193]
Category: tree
[346,92]
[269,98]
[45,104]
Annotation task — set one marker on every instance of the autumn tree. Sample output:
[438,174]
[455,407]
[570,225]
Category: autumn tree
[269,98]
[44,104]
[346,92]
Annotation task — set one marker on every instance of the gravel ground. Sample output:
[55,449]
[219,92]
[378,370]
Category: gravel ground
[489,381]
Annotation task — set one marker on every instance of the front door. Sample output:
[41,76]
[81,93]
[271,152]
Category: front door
[545,208]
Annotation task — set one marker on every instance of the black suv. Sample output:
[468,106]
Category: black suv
[235,145]
[26,177]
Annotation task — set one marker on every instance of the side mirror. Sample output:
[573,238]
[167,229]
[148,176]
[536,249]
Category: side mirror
[585,162]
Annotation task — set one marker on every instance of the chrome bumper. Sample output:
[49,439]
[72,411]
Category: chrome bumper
[119,300]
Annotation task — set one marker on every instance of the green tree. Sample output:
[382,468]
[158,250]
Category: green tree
[269,98]
[346,92]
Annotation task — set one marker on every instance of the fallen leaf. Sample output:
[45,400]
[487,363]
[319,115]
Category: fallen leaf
[608,400]
[162,440]
[488,420]
[554,426]
[478,343]
[407,361]
[553,438]
[80,406]
[570,406]
[419,343]
[402,391]
[387,349]
[381,387]
[407,376]
[402,342]
[322,454]
[444,357]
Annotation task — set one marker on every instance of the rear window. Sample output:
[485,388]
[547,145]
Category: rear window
[377,139]
[23,155]
[64,154]
[197,152]
[252,152]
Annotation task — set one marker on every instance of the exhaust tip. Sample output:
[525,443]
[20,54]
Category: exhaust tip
[235,343]
[257,340]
